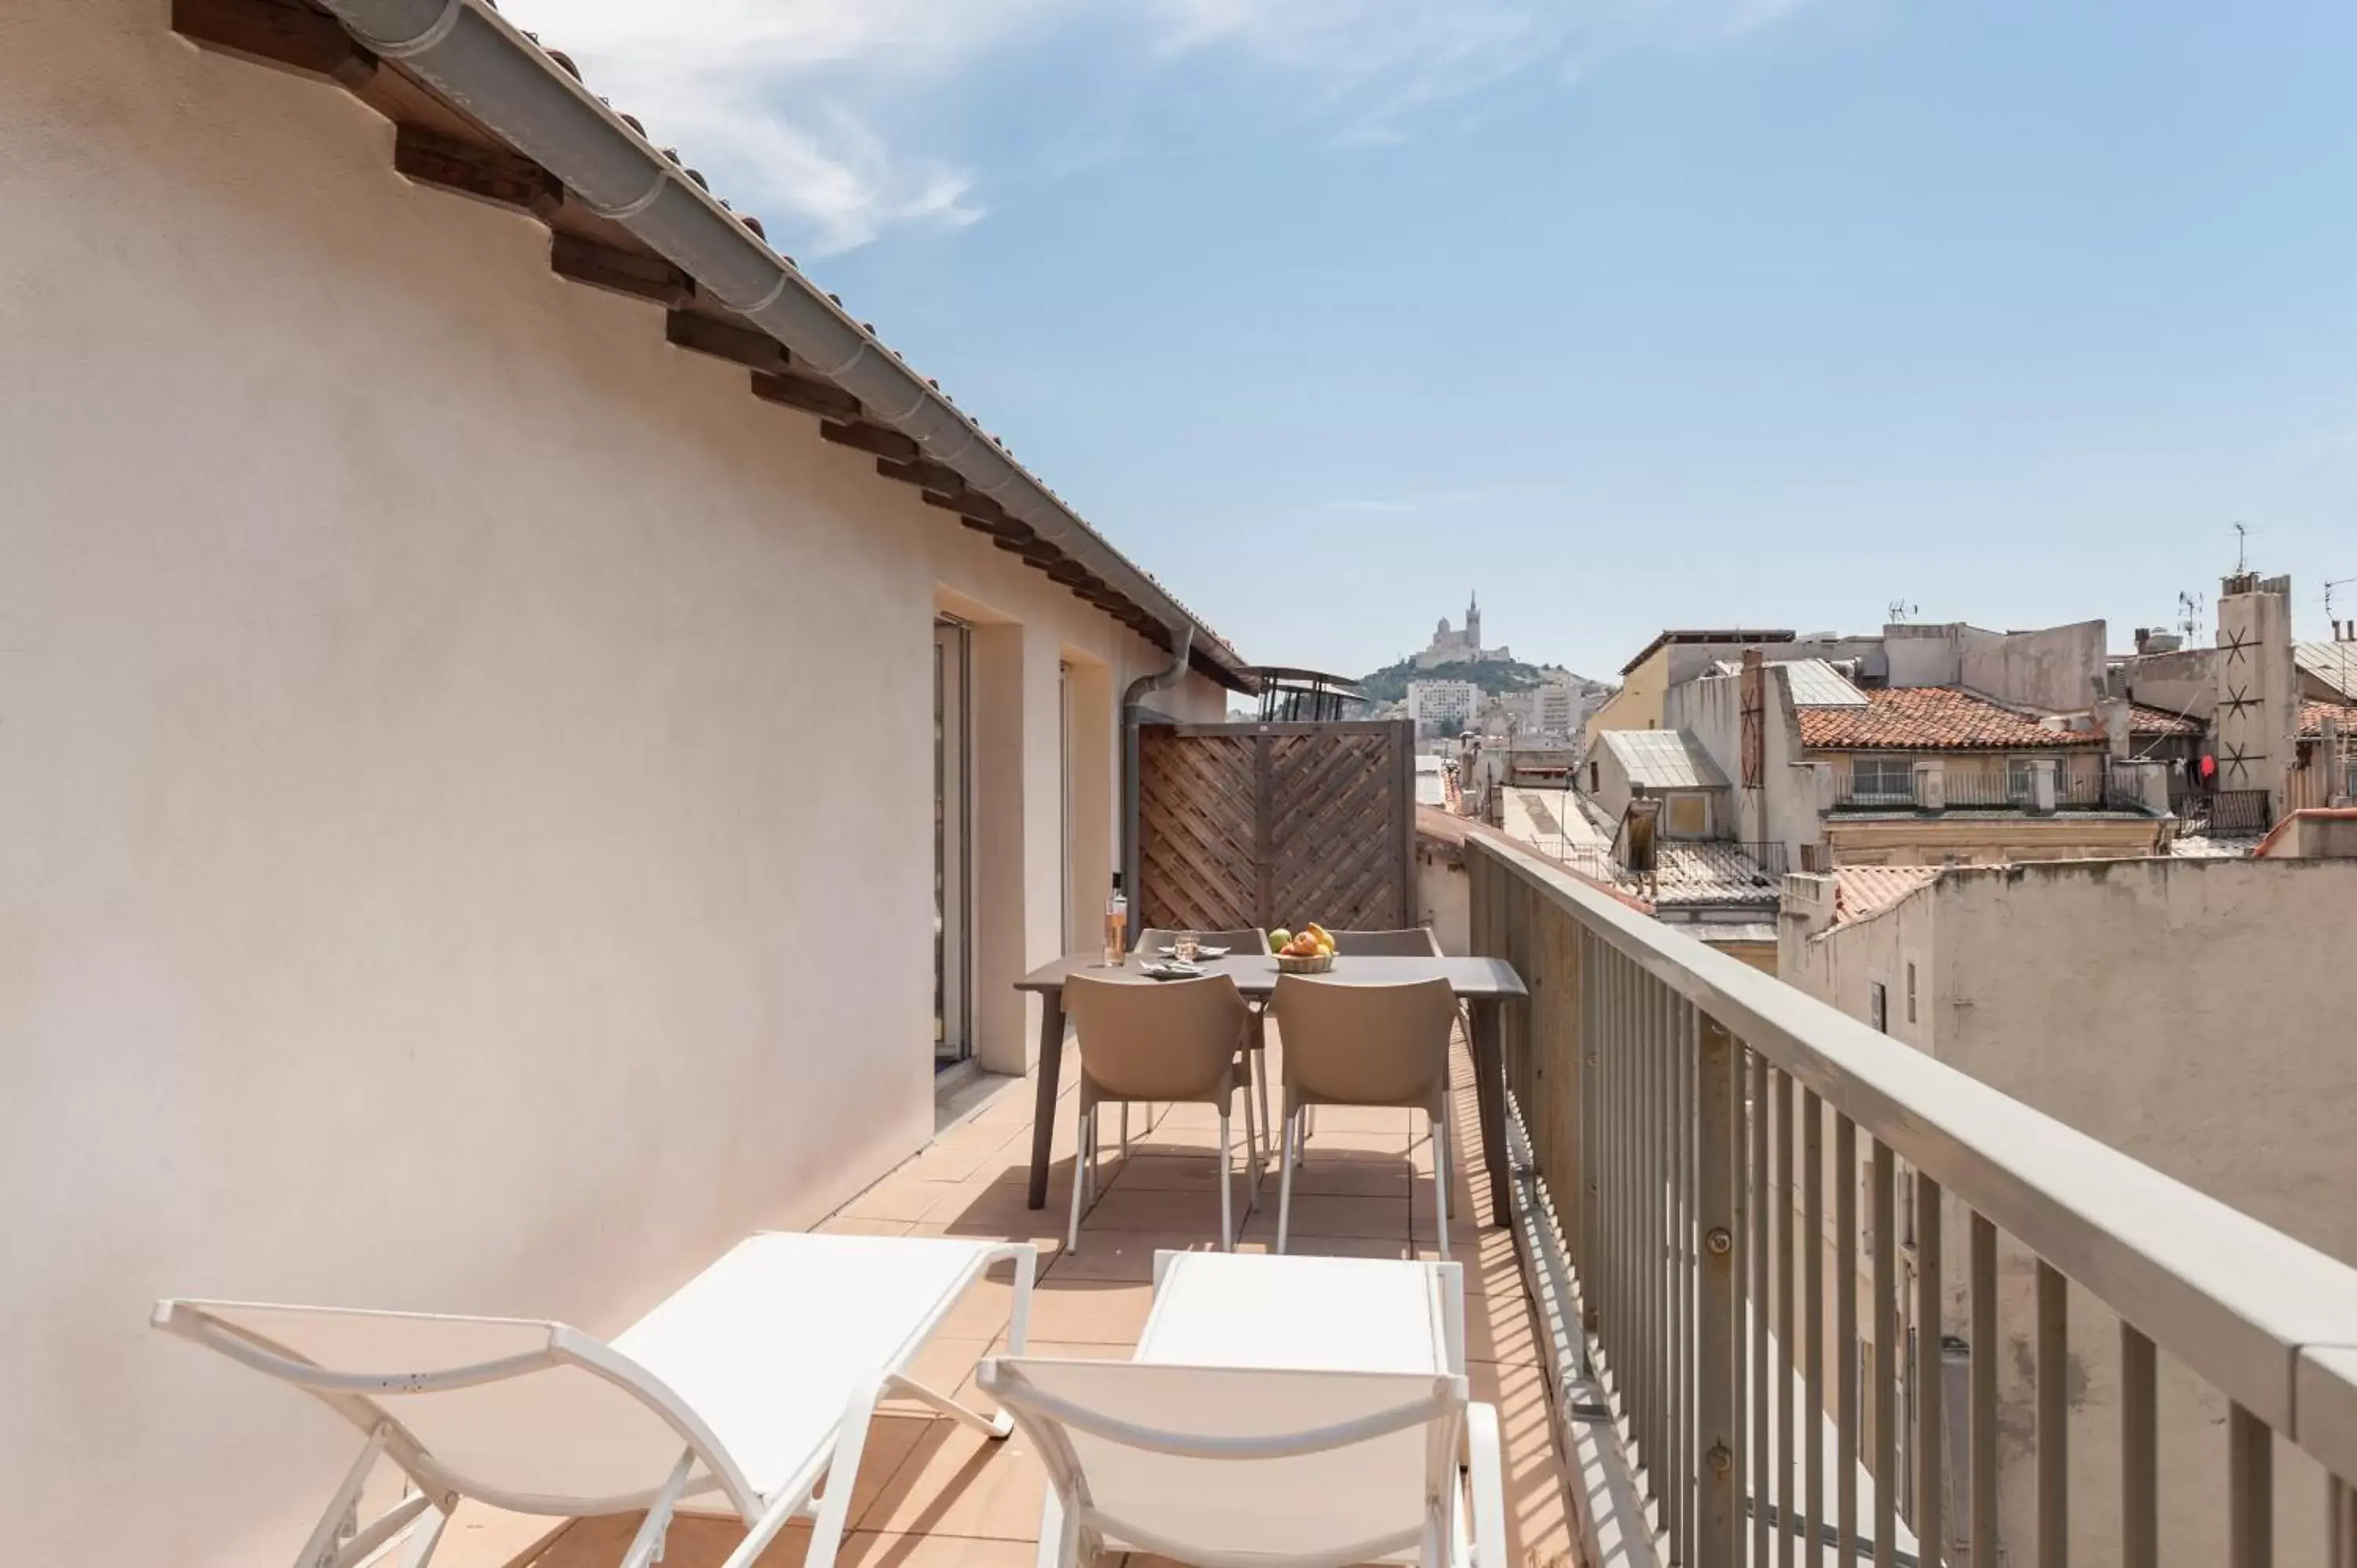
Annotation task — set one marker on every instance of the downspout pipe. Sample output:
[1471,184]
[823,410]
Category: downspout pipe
[481,63]
[1133,701]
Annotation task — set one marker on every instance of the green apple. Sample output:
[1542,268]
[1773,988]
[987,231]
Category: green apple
[1278,938]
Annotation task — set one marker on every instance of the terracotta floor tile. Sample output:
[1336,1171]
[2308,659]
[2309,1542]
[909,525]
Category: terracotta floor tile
[1123,1209]
[1160,1172]
[1498,1327]
[1044,1228]
[1001,1208]
[980,1313]
[1316,1214]
[1102,1312]
[897,1197]
[1342,1173]
[869,1549]
[956,1482]
[1125,1255]
[481,1537]
[1331,1138]
[695,1541]
[840,1226]
[1068,1349]
[1387,1120]
[943,1363]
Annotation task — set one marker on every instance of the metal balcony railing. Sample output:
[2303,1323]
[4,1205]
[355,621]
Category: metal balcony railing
[1702,1130]
[1877,791]
[2230,811]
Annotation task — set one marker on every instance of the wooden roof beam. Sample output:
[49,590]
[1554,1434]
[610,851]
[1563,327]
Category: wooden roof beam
[283,34]
[812,396]
[873,438]
[631,273]
[926,473]
[495,174]
[726,340]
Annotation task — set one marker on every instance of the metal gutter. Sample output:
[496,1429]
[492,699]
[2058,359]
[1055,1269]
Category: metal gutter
[473,56]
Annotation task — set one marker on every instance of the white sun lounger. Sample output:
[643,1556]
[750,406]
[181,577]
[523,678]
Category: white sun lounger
[751,1386]
[1306,1413]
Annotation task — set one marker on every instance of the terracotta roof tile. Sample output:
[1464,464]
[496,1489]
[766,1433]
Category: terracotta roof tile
[1861,890]
[2159,722]
[1929,718]
[2313,714]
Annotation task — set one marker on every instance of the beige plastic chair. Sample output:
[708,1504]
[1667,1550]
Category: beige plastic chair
[1241,941]
[1416,942]
[1176,1040]
[1365,1044]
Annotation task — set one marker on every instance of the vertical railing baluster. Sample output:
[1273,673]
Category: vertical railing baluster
[1683,1440]
[1812,1313]
[2250,1490]
[1788,1425]
[2053,1417]
[1885,1357]
[1740,1254]
[1846,1412]
[1649,1249]
[1718,1174]
[1624,1373]
[1591,1121]
[1930,1500]
[1763,1362]
[1983,1401]
[2139,1451]
[1665,1250]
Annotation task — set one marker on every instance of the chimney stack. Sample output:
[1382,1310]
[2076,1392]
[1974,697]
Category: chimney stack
[2143,637]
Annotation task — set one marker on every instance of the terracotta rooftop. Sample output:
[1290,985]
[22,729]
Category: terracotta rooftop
[2313,714]
[1929,718]
[1863,890]
[2158,723]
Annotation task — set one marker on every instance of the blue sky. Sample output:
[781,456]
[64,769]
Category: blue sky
[1628,312]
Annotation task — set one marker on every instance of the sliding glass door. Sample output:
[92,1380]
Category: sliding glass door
[952,821]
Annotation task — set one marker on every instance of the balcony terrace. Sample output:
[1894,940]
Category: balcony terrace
[932,1492]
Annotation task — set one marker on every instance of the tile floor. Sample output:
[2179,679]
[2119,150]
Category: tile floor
[931,1493]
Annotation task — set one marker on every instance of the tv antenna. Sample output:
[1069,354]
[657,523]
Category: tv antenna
[2189,617]
[2241,550]
[2336,583]
[1900,610]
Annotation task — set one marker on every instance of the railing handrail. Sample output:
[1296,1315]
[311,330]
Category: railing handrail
[2232,1297]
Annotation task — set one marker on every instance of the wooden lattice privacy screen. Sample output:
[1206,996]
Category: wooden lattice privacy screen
[1277,824]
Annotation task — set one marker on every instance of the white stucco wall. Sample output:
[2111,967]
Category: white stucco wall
[436,875]
[2183,1012]
[2056,668]
[1784,809]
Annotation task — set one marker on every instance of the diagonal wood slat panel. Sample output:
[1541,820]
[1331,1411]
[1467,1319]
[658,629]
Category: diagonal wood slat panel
[1268,825]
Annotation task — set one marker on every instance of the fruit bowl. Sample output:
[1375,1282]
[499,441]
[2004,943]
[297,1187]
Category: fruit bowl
[1311,963]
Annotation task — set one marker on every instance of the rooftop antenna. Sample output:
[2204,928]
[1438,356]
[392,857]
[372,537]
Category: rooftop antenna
[2241,550]
[2189,617]
[1900,610]
[2336,583]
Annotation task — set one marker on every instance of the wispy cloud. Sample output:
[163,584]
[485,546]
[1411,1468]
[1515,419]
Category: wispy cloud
[790,106]
[818,115]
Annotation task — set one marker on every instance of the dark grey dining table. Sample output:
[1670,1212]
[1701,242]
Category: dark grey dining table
[1484,984]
